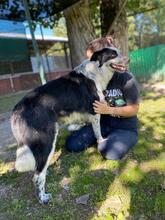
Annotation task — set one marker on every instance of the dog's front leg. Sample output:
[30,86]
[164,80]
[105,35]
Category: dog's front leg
[95,120]
[39,181]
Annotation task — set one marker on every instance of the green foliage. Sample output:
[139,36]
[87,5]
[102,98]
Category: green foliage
[138,6]
[60,28]
[45,12]
[132,33]
[146,29]
[95,14]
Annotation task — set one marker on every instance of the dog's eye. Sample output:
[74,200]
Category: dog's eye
[113,55]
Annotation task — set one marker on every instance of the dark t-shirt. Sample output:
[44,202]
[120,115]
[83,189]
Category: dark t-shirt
[122,90]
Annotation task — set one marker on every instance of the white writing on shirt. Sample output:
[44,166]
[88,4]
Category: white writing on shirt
[114,92]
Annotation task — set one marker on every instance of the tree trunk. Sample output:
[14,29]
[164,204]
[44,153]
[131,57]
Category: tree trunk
[109,10]
[121,32]
[80,30]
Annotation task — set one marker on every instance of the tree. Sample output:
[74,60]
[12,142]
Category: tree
[147,28]
[114,22]
[45,12]
[132,33]
[80,30]
[146,23]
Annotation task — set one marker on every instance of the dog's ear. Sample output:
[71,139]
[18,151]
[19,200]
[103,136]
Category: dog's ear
[97,56]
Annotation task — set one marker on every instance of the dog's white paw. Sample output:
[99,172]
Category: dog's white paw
[101,140]
[44,198]
[101,144]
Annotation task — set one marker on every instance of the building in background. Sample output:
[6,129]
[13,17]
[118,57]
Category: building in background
[18,65]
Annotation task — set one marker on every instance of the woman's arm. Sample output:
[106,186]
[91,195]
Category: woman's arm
[124,111]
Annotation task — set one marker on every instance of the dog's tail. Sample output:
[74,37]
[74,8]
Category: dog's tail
[34,146]
[25,160]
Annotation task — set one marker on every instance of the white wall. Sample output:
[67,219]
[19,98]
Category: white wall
[56,63]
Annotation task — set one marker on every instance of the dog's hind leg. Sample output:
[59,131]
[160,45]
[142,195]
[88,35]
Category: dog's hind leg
[39,178]
[25,160]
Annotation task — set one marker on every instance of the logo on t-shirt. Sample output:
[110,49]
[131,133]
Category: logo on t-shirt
[114,97]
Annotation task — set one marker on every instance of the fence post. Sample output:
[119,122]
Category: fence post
[36,49]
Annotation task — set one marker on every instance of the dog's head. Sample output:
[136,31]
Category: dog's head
[110,57]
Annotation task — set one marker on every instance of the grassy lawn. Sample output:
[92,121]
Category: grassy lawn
[8,101]
[133,188]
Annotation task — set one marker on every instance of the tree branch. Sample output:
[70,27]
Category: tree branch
[140,12]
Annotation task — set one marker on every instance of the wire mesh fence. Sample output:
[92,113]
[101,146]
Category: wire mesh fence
[148,63]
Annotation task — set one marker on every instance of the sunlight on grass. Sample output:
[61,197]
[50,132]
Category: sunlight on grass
[6,167]
[131,173]
[121,196]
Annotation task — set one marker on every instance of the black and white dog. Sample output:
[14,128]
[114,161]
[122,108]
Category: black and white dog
[35,118]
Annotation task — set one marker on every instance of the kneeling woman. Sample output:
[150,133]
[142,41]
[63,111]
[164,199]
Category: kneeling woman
[118,114]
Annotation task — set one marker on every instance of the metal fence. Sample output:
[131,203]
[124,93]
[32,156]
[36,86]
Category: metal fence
[148,63]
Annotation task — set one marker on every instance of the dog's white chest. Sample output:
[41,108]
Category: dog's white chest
[74,117]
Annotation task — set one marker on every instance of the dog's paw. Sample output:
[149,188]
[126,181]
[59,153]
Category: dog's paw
[101,140]
[44,199]
[101,144]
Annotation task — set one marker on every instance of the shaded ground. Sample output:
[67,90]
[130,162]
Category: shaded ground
[5,131]
[133,188]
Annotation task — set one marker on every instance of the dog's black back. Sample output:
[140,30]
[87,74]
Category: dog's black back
[74,92]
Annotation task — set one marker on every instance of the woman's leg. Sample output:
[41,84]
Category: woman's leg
[80,139]
[118,143]
[83,138]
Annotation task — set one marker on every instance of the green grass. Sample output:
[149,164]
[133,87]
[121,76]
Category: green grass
[8,101]
[133,188]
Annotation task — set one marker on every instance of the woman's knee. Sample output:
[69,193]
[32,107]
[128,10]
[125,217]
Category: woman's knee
[74,145]
[116,148]
[80,140]
[107,151]
[110,155]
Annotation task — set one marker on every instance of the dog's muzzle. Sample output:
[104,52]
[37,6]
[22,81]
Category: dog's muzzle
[120,64]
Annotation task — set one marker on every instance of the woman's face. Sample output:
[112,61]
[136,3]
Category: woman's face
[89,53]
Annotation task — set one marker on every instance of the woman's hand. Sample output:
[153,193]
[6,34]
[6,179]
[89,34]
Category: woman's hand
[124,111]
[101,107]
